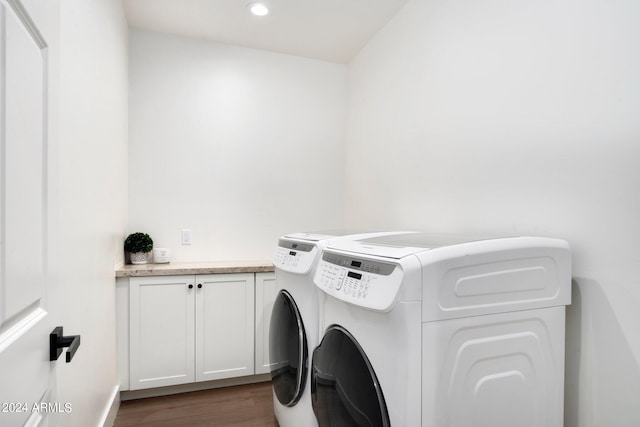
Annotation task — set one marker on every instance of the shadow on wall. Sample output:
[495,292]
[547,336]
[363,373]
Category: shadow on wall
[602,376]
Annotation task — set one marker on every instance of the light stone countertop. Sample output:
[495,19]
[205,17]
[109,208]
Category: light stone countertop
[206,267]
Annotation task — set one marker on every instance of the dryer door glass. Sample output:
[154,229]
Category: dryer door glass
[344,387]
[288,352]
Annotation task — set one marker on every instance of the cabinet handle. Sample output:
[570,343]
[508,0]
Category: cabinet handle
[190,285]
[199,285]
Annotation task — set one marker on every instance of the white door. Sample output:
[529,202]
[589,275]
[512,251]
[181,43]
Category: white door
[224,326]
[25,318]
[266,293]
[161,331]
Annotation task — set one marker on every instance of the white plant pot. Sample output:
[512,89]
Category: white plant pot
[138,257]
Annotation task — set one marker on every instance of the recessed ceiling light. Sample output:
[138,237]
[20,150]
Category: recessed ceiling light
[258,9]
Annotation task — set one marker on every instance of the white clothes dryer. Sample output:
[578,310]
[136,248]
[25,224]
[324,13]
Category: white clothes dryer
[294,329]
[423,330]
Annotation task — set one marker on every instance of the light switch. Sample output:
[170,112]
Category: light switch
[186,237]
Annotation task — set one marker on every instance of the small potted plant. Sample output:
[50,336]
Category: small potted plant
[138,245]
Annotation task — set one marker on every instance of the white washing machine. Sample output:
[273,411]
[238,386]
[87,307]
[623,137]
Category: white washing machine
[294,329]
[441,331]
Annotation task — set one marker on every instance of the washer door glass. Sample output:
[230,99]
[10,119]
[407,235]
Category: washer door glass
[288,353]
[344,388]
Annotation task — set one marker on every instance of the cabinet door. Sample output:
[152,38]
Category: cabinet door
[266,292]
[161,331]
[224,326]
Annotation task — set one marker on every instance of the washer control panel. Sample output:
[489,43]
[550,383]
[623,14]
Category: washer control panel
[294,257]
[367,283]
[347,282]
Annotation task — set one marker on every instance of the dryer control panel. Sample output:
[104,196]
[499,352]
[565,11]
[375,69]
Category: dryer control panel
[367,283]
[294,257]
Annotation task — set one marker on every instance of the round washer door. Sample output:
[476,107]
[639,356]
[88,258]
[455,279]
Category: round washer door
[344,387]
[288,352]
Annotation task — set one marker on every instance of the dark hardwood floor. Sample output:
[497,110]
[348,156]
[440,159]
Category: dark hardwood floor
[239,406]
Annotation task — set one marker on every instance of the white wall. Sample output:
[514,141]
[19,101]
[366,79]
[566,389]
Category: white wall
[90,184]
[516,118]
[238,145]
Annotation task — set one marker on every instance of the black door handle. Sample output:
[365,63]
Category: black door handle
[57,342]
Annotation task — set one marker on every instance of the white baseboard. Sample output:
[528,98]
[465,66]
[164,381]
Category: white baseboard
[111,411]
[185,388]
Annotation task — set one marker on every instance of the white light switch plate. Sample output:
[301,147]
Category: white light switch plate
[186,237]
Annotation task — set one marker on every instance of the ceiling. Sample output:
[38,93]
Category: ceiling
[331,30]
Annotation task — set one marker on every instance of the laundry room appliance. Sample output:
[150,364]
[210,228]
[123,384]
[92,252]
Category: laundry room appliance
[294,330]
[423,330]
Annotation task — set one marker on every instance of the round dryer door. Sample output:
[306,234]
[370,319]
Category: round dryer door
[344,388]
[288,352]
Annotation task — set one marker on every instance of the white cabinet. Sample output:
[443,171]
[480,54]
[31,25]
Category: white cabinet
[190,328]
[224,326]
[161,331]
[266,292]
